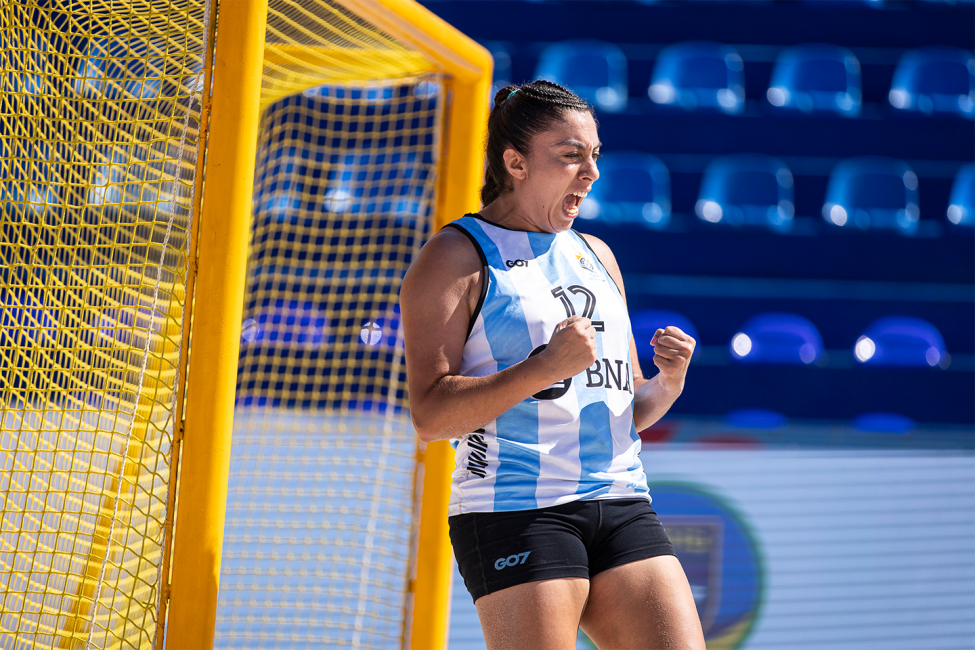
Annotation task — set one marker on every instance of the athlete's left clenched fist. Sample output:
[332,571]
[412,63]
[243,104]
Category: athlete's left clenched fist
[672,350]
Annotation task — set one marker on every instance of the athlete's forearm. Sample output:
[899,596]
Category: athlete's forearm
[456,405]
[651,401]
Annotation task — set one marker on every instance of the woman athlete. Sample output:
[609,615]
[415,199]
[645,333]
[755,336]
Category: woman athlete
[519,350]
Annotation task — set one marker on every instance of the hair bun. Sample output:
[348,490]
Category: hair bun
[502,95]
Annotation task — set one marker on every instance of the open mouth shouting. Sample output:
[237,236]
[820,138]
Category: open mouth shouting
[571,203]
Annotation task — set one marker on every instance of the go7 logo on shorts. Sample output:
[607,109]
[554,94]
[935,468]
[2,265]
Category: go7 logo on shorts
[511,560]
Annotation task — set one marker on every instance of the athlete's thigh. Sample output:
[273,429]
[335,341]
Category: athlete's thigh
[644,604]
[542,615]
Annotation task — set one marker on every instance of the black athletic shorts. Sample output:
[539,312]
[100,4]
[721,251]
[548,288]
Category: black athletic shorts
[497,550]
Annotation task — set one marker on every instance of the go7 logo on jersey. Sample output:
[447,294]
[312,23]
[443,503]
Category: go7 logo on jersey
[511,560]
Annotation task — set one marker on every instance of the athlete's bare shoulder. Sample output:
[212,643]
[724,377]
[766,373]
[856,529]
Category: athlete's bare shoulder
[448,254]
[447,271]
[605,256]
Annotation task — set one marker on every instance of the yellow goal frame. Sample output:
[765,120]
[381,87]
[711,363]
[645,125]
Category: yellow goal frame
[220,263]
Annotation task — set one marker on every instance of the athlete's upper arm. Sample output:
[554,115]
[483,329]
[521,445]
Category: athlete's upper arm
[608,260]
[436,310]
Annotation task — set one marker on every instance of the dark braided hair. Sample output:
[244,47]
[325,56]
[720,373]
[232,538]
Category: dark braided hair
[519,114]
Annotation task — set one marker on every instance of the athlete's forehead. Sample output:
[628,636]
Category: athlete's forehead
[577,143]
[576,129]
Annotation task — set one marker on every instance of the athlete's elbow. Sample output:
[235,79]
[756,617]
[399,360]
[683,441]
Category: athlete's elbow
[427,413]
[424,425]
[426,435]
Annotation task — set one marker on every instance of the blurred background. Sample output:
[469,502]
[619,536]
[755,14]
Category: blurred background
[789,182]
[792,184]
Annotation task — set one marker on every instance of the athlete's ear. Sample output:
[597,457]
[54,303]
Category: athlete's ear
[516,164]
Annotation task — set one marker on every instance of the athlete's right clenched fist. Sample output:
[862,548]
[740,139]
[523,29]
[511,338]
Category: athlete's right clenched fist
[572,348]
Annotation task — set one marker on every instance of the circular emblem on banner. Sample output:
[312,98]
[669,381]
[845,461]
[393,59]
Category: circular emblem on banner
[720,556]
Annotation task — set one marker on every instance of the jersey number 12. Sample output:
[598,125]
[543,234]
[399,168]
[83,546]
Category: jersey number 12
[560,388]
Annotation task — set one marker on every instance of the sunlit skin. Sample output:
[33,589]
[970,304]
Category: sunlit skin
[562,161]
[642,604]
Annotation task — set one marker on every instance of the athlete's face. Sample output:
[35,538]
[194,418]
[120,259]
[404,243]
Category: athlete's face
[559,172]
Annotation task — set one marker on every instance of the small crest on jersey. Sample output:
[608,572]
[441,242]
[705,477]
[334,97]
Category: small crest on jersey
[587,264]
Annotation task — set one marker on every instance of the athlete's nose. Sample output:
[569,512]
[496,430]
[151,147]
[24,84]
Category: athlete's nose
[590,171]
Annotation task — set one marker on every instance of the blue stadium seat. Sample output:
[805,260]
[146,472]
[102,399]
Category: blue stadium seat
[595,70]
[286,324]
[935,80]
[26,321]
[754,419]
[125,70]
[904,341]
[502,66]
[732,2]
[699,74]
[371,94]
[870,3]
[632,187]
[873,192]
[381,330]
[369,182]
[961,208]
[647,321]
[881,422]
[779,338]
[747,189]
[816,78]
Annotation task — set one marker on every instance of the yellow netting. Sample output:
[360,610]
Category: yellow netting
[320,512]
[98,102]
[99,110]
[309,43]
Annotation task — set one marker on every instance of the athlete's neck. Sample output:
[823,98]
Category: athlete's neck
[506,212]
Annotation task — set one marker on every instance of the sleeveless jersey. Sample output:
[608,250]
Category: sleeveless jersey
[575,439]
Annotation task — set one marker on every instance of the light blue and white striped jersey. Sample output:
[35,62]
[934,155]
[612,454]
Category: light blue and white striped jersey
[575,439]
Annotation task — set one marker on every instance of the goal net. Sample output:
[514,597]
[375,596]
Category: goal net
[98,142]
[320,510]
[102,163]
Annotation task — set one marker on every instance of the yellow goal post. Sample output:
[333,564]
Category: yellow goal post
[134,138]
[467,69]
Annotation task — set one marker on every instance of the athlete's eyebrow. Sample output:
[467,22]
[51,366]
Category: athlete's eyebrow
[576,143]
